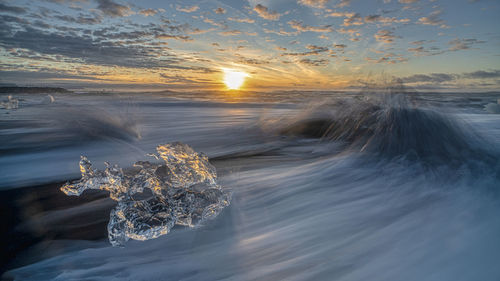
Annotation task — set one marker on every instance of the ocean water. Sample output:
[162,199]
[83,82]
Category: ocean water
[325,185]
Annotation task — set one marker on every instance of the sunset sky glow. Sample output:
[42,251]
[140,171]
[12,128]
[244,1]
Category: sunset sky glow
[280,44]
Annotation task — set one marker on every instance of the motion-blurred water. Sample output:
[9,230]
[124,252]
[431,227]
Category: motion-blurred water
[344,187]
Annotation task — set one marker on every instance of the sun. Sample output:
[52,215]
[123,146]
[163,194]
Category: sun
[234,79]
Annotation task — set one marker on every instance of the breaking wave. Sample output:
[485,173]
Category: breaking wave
[67,127]
[391,130]
[94,124]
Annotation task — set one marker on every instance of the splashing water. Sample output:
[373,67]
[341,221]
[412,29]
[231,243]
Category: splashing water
[184,191]
[391,129]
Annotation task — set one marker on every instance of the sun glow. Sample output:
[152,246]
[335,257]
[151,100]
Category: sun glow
[234,79]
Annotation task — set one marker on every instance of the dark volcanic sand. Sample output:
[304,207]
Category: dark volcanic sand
[34,217]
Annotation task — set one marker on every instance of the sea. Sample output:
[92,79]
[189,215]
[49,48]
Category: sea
[325,185]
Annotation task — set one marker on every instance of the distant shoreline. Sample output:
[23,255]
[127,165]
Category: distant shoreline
[60,90]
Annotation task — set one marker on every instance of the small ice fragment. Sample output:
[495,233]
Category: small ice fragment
[48,99]
[11,103]
[184,191]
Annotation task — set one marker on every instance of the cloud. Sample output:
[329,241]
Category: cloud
[62,1]
[281,32]
[356,19]
[113,9]
[314,50]
[12,9]
[81,47]
[214,23]
[299,26]
[418,50]
[317,48]
[476,79]
[422,51]
[372,18]
[353,19]
[81,19]
[384,20]
[233,32]
[463,44]
[148,12]
[385,36]
[481,74]
[341,14]
[252,61]
[351,31]
[429,78]
[26,75]
[343,3]
[243,20]
[436,78]
[314,3]
[188,9]
[433,19]
[195,31]
[418,43]
[314,62]
[220,11]
[230,33]
[265,13]
[31,55]
[181,79]
[455,45]
[389,58]
[175,37]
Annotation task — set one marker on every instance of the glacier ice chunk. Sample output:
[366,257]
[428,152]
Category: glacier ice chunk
[184,191]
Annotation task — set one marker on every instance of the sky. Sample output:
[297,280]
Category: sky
[278,44]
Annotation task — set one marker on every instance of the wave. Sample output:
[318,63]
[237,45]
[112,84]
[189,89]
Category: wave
[67,127]
[99,124]
[391,128]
